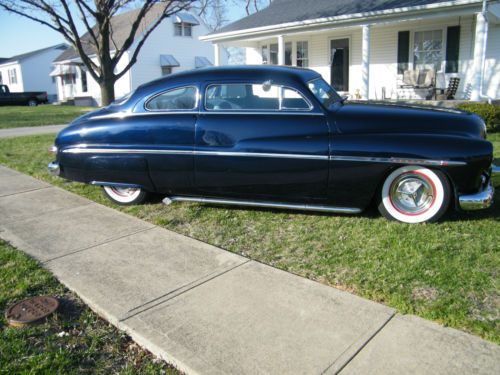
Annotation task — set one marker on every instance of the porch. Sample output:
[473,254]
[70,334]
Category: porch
[372,61]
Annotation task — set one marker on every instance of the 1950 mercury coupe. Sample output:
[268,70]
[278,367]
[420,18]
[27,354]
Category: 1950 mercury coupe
[278,137]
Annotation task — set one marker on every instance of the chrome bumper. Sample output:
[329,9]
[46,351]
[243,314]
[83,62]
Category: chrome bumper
[484,198]
[53,168]
[495,176]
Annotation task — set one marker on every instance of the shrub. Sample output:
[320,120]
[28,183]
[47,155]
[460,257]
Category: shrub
[490,113]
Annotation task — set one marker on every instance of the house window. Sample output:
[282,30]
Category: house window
[83,74]
[12,76]
[302,54]
[265,56]
[166,70]
[288,53]
[178,29]
[183,29]
[188,29]
[273,53]
[428,49]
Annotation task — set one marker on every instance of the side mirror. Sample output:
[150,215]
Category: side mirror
[266,86]
[343,98]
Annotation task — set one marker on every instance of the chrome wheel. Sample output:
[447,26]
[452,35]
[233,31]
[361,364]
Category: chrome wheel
[412,193]
[124,195]
[32,103]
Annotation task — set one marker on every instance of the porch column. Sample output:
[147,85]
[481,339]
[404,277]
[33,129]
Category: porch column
[216,54]
[479,54]
[281,50]
[365,63]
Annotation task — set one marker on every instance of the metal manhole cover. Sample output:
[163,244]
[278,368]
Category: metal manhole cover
[31,310]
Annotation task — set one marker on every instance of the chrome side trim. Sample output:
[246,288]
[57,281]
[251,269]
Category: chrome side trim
[90,150]
[482,199]
[395,160]
[53,169]
[288,206]
[122,115]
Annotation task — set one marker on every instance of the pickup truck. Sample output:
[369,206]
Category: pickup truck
[21,98]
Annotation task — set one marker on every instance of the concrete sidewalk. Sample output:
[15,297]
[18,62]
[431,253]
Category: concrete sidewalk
[213,312]
[30,130]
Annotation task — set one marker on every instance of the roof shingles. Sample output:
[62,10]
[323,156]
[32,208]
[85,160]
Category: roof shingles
[285,11]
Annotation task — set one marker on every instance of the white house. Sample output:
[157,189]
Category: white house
[379,49]
[30,71]
[172,47]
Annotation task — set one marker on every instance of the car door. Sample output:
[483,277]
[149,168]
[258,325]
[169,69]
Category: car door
[260,141]
[170,118]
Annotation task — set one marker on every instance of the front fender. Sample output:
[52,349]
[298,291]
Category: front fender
[360,162]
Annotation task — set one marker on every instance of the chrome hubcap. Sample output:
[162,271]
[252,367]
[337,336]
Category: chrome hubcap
[412,193]
[124,192]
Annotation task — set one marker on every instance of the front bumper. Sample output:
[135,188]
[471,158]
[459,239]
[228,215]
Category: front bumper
[53,168]
[484,198]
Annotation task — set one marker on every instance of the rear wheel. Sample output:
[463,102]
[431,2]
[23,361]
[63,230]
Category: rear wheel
[125,196]
[414,194]
[32,103]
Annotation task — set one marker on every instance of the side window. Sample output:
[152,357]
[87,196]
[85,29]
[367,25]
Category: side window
[183,98]
[254,97]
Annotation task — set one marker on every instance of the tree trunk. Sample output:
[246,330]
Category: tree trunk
[107,92]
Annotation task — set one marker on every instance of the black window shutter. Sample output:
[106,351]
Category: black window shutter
[452,49]
[403,51]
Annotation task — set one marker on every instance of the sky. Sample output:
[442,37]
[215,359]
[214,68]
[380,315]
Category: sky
[19,35]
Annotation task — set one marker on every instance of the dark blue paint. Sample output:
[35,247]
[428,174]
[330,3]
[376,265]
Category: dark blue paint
[341,130]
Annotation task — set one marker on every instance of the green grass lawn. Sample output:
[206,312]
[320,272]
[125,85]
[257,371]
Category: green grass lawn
[18,116]
[73,340]
[447,272]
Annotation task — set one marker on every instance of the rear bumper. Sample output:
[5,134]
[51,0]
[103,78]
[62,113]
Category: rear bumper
[484,198]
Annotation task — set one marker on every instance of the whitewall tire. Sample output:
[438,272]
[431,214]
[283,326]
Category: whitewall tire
[414,194]
[124,196]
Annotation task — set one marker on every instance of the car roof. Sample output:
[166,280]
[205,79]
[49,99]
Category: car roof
[277,74]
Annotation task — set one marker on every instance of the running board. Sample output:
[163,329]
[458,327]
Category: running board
[288,206]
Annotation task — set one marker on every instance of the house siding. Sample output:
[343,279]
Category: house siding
[162,42]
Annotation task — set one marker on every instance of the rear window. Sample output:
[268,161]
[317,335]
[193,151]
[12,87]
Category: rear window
[254,97]
[182,98]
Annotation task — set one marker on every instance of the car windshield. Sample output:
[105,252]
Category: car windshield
[325,93]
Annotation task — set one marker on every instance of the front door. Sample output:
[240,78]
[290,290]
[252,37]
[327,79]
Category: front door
[339,69]
[261,143]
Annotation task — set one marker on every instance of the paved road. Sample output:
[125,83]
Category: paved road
[31,130]
[213,312]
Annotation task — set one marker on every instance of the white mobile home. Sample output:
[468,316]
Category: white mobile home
[381,49]
[172,47]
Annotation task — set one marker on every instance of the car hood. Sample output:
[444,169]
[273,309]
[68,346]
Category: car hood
[354,118]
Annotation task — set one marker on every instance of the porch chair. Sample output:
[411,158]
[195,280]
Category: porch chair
[451,91]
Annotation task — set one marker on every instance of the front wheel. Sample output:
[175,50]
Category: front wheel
[414,194]
[124,196]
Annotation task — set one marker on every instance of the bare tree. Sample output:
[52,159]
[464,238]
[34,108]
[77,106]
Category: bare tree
[98,30]
[252,6]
